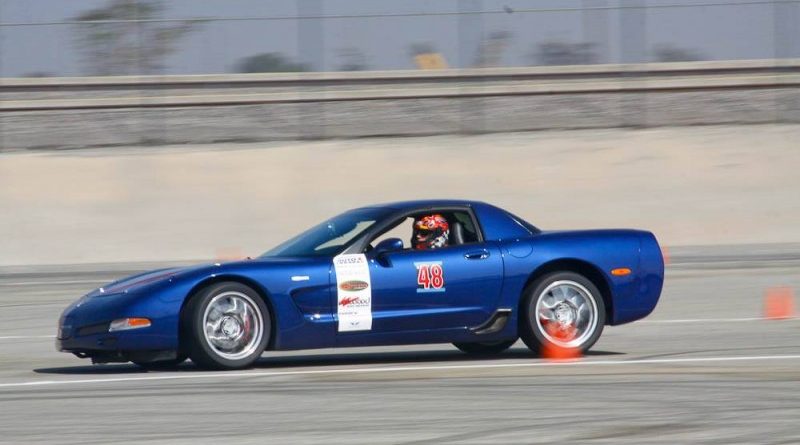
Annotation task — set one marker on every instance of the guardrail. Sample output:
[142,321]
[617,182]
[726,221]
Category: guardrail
[36,94]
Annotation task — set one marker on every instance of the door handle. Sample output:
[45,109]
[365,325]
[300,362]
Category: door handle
[477,254]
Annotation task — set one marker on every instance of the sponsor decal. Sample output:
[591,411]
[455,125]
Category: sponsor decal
[354,301]
[354,293]
[354,285]
[350,259]
[430,276]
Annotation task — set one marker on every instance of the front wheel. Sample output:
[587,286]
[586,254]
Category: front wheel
[229,326]
[493,347]
[562,310]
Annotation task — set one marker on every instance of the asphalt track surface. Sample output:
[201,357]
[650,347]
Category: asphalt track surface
[704,368]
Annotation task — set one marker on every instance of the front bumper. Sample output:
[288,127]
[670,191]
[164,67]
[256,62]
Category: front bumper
[83,327]
[128,341]
[116,347]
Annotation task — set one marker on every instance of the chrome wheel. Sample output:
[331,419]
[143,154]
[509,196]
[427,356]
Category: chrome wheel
[566,313]
[233,325]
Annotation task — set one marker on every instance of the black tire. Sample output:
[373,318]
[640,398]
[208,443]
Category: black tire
[162,365]
[530,330]
[200,349]
[485,348]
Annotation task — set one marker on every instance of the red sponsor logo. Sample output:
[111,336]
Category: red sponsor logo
[348,301]
[354,285]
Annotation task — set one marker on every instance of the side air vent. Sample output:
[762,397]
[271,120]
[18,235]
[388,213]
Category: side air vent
[495,323]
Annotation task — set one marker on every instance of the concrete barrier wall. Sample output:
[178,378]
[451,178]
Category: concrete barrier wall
[67,129]
[68,113]
[690,185]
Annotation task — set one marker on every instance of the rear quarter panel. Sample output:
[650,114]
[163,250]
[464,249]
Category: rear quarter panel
[630,297]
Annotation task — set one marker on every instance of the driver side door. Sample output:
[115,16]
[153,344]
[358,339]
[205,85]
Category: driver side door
[422,293]
[449,288]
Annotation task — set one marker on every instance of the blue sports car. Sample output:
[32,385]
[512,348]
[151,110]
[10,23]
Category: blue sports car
[437,271]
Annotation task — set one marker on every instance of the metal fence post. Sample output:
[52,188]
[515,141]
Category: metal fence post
[471,111]
[786,41]
[2,76]
[311,52]
[633,50]
[595,28]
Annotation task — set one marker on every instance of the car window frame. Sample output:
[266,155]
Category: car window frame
[396,219]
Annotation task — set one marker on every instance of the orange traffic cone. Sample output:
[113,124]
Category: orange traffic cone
[553,352]
[778,303]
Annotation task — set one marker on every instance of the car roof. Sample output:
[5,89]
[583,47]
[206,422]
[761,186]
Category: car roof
[422,203]
[495,222]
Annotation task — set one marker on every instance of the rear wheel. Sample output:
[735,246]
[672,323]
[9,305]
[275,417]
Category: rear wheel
[562,310]
[228,325]
[492,347]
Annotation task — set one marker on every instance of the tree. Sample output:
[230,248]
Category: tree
[120,38]
[38,74]
[671,53]
[353,59]
[269,63]
[418,48]
[490,52]
[564,53]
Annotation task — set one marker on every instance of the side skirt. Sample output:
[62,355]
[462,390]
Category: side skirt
[496,322]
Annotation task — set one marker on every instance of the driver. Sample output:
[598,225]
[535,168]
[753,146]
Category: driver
[430,232]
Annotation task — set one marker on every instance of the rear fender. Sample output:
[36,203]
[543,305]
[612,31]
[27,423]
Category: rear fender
[592,253]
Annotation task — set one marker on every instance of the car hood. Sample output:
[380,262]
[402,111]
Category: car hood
[141,279]
[156,276]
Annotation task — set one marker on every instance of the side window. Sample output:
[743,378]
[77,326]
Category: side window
[470,232]
[461,226]
[402,231]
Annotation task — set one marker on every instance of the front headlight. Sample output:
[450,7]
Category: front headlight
[126,324]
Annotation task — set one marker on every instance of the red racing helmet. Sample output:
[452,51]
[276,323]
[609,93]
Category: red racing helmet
[430,232]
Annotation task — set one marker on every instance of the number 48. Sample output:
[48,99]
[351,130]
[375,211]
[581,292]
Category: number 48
[430,276]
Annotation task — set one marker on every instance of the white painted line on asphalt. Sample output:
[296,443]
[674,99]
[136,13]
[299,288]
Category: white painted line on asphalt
[704,320]
[686,320]
[24,337]
[389,369]
[53,283]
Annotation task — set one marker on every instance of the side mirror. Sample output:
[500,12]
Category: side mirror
[388,245]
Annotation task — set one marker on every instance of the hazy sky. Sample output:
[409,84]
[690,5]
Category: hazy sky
[716,32]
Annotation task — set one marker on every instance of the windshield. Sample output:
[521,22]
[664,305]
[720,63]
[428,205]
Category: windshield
[330,237]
